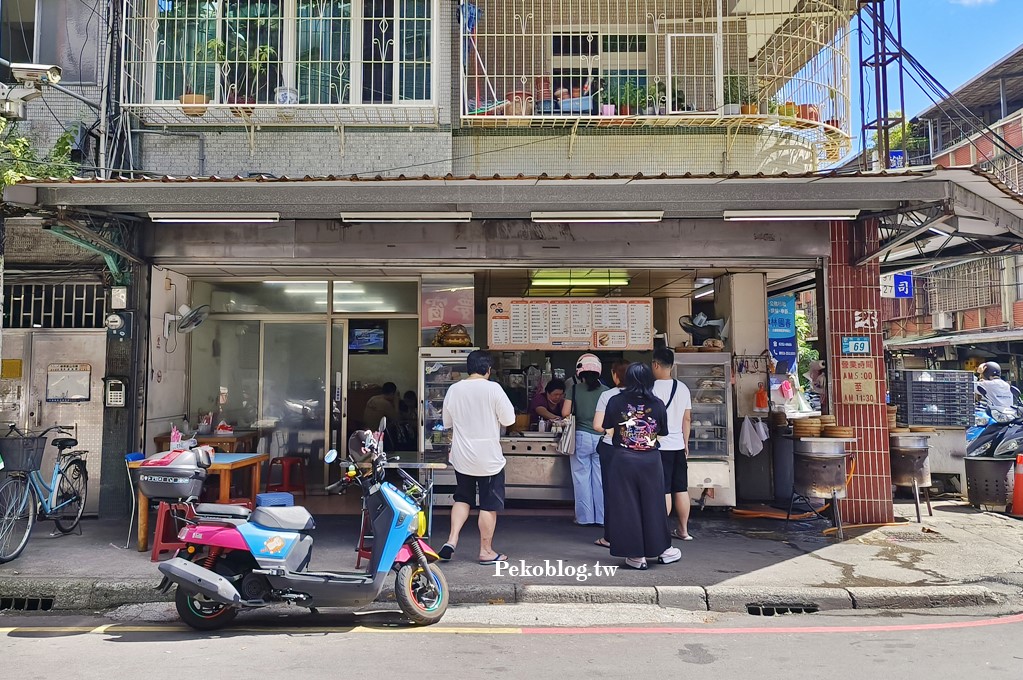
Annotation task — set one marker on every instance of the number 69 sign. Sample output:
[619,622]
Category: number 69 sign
[856,345]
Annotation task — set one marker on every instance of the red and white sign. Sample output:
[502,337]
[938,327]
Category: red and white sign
[451,307]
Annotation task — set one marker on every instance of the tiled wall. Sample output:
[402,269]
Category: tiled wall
[853,289]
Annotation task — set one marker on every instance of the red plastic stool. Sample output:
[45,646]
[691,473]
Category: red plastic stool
[288,465]
[166,537]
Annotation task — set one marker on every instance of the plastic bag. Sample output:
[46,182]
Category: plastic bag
[750,443]
[762,431]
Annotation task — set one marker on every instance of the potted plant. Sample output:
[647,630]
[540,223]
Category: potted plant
[254,62]
[656,100]
[630,98]
[735,90]
[748,105]
[189,97]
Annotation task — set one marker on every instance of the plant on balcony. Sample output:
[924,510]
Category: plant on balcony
[629,97]
[737,93]
[253,62]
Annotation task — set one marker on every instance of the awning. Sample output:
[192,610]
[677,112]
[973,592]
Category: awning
[956,340]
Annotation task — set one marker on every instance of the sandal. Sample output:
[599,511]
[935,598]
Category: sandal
[675,533]
[446,552]
[636,564]
[602,543]
[495,559]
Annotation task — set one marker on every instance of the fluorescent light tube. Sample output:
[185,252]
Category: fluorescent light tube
[214,217]
[789,215]
[575,283]
[598,216]
[703,294]
[418,216]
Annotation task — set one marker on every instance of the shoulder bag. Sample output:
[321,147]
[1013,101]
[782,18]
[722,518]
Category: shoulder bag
[566,445]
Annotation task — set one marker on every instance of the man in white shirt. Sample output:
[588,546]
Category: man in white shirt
[475,409]
[992,389]
[675,446]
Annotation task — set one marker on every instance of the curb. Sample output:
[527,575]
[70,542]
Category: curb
[97,594]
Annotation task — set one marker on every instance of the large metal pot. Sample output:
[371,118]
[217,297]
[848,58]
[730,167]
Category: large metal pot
[819,468]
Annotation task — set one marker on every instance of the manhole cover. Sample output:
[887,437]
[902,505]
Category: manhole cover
[916,537]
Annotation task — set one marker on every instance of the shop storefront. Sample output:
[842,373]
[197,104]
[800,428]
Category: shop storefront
[317,296]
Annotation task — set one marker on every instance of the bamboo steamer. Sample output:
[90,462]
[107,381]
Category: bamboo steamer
[921,429]
[899,430]
[839,432]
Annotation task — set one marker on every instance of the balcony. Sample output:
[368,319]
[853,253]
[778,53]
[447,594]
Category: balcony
[280,62]
[775,66]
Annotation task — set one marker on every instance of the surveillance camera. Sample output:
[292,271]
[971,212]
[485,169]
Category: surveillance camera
[36,73]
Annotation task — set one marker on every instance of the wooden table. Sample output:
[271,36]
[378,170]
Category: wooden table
[224,464]
[243,440]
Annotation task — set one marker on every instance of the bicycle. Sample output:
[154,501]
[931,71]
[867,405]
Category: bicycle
[25,494]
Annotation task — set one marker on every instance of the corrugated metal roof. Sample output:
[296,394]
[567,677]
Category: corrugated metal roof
[955,339]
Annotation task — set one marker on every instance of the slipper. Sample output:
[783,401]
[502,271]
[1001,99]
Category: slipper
[446,552]
[602,543]
[635,564]
[675,534]
[495,560]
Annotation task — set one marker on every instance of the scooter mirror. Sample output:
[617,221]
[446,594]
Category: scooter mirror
[330,457]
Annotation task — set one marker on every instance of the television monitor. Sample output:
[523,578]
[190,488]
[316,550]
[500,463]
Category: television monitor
[367,337]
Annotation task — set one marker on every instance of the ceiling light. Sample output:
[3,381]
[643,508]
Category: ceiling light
[598,216]
[939,232]
[703,282]
[574,282]
[214,217]
[703,293]
[418,216]
[788,215]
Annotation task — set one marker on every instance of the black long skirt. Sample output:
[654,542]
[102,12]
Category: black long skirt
[605,452]
[634,516]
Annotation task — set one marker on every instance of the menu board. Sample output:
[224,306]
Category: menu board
[570,323]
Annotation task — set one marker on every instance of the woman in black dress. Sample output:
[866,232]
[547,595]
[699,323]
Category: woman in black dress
[634,499]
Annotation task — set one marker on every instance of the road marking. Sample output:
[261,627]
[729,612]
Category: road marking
[117,629]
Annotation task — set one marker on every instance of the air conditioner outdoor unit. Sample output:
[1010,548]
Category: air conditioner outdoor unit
[941,321]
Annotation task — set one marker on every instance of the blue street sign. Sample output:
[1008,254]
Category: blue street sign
[896,159]
[903,285]
[856,345]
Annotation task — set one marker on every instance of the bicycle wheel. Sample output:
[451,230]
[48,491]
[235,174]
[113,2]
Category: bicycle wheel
[71,490]
[17,515]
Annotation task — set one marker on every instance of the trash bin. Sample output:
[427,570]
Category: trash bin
[989,482]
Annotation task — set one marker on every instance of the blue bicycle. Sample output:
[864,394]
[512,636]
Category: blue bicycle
[25,495]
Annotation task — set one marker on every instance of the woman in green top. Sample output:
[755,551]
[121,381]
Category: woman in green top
[586,480]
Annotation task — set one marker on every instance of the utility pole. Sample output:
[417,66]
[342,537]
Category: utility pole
[881,53]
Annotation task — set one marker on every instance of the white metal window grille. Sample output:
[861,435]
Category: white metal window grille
[970,285]
[315,62]
[71,305]
[781,64]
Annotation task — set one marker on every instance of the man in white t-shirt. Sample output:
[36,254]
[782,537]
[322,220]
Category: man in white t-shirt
[675,446]
[475,409]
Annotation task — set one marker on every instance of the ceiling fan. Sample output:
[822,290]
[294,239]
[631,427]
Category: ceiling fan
[187,319]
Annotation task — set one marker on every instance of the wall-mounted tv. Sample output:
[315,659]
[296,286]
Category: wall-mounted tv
[367,336]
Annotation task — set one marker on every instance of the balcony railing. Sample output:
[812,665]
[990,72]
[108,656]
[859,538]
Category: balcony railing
[765,63]
[314,62]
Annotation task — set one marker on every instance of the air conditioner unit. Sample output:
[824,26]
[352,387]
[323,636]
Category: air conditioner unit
[941,321]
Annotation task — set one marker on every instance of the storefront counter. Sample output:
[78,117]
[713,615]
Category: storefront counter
[947,454]
[535,469]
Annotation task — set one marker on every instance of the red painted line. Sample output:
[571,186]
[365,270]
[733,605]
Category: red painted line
[788,630]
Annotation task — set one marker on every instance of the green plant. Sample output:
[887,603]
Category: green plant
[806,353]
[19,158]
[737,88]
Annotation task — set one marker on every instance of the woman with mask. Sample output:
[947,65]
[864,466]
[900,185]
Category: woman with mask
[586,480]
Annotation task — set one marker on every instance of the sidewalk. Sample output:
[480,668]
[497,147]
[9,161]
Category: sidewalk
[960,557]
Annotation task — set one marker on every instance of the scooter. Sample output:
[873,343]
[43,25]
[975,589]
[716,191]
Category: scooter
[997,434]
[235,559]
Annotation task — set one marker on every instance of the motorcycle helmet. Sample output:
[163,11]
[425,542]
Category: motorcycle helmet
[992,370]
[588,362]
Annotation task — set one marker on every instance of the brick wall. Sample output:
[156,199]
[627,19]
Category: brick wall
[854,289]
[300,152]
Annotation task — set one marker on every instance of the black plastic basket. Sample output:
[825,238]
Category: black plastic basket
[22,454]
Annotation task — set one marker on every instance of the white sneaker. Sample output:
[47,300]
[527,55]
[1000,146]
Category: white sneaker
[670,555]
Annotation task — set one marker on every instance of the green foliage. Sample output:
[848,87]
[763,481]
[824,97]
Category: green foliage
[20,159]
[914,140]
[737,88]
[806,352]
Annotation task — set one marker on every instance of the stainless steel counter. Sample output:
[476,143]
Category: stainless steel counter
[535,469]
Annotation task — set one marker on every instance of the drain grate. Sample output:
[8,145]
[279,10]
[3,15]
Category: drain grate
[26,604]
[781,609]
[916,537]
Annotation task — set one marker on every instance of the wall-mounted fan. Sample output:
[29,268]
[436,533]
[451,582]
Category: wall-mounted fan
[187,319]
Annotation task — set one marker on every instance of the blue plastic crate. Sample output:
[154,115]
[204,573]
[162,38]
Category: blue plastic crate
[276,499]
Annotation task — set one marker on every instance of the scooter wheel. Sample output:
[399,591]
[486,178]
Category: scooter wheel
[200,613]
[418,596]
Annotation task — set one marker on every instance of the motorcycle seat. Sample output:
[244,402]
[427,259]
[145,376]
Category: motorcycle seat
[292,518]
[221,510]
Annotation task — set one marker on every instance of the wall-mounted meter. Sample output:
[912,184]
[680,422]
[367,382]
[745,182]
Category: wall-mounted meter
[115,392]
[119,325]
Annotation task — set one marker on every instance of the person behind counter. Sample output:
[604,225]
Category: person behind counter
[637,523]
[547,404]
[586,478]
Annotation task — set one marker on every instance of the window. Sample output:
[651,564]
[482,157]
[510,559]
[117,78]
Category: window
[588,62]
[320,51]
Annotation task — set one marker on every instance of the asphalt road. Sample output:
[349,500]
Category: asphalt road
[518,641]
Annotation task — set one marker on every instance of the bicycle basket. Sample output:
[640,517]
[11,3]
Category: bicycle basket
[22,454]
